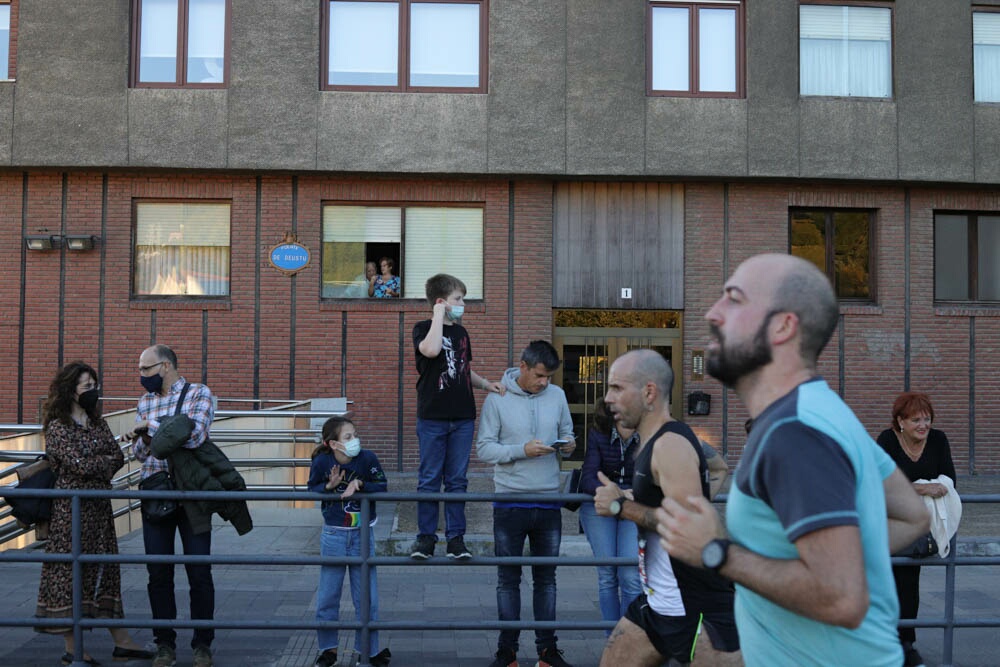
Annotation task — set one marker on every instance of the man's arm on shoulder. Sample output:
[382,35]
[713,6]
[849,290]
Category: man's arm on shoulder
[718,471]
[675,470]
[432,343]
[907,514]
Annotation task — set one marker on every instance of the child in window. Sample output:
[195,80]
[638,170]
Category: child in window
[341,468]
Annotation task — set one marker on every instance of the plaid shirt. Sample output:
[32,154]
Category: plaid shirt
[199,405]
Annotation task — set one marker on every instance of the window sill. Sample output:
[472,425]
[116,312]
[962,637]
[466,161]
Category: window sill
[186,304]
[860,309]
[392,305]
[971,309]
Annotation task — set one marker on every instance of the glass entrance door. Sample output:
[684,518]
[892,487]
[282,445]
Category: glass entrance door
[588,353]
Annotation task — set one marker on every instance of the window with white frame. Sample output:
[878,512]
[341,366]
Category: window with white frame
[405,45]
[966,256]
[986,55]
[845,51]
[4,40]
[421,241]
[695,48]
[180,43]
[181,249]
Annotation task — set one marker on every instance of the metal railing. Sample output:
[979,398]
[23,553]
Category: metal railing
[364,621]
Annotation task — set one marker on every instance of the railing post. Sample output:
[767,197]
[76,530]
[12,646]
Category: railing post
[947,647]
[77,567]
[364,614]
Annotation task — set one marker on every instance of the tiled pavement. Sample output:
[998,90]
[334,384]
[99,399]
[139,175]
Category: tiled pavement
[422,592]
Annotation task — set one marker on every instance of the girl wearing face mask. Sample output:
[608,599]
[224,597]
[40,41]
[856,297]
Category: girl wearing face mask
[84,455]
[341,468]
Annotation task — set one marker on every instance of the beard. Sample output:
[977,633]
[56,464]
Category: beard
[730,364]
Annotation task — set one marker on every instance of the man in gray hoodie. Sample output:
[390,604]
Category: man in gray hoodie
[520,432]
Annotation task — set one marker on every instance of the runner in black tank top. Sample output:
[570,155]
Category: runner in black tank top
[700,589]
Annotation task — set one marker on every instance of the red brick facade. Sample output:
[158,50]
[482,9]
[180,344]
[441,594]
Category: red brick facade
[724,224]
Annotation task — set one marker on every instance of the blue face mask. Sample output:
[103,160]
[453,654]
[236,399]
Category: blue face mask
[456,312]
[152,383]
[352,447]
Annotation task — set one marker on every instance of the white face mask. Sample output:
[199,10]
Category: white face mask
[352,447]
[456,312]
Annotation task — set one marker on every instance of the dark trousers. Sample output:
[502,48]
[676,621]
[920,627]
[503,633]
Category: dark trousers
[159,539]
[908,590]
[543,530]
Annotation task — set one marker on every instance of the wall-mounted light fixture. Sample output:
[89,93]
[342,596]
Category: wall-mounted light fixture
[40,241]
[80,241]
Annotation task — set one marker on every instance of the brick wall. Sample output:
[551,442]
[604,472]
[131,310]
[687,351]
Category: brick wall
[299,332]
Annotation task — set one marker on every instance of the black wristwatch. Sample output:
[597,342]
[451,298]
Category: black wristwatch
[714,554]
[616,506]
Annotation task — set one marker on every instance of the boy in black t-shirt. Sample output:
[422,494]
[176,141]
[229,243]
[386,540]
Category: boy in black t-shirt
[446,413]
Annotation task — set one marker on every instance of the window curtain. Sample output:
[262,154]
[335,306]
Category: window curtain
[670,62]
[986,55]
[182,249]
[443,240]
[845,51]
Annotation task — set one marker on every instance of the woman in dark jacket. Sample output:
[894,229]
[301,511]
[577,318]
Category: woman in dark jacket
[921,452]
[611,450]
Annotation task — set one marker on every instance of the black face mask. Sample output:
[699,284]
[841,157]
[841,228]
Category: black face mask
[88,399]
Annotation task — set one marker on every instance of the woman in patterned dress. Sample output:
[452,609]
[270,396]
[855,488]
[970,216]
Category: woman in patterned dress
[84,455]
[384,285]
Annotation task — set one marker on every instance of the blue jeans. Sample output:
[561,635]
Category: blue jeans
[617,586]
[543,529]
[158,538]
[340,542]
[445,447]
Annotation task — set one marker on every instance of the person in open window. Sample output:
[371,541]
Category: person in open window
[358,288]
[84,455]
[385,285]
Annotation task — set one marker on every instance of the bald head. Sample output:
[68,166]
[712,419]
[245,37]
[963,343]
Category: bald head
[798,286]
[644,366]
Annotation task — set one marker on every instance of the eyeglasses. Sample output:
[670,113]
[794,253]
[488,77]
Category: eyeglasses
[89,386]
[144,369]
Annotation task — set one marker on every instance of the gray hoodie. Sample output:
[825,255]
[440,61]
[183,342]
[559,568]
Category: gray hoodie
[511,420]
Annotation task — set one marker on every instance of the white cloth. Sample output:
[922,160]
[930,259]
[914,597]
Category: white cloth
[946,513]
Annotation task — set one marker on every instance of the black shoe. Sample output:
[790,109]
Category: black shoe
[67,659]
[121,654]
[423,547]
[505,658]
[912,658]
[382,659]
[457,549]
[551,657]
[327,658]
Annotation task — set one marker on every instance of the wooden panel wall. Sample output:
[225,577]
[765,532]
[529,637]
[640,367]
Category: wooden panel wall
[607,236]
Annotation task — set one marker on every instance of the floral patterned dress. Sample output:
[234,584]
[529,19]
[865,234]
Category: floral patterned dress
[83,457]
[382,287]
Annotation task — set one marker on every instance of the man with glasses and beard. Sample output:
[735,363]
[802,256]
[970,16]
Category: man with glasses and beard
[815,507]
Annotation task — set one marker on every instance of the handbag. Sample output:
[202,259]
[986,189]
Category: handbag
[34,511]
[157,510]
[924,546]
[573,487]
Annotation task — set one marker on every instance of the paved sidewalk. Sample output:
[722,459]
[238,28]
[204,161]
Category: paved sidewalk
[421,593]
